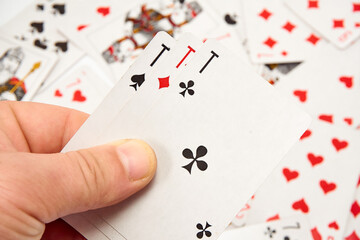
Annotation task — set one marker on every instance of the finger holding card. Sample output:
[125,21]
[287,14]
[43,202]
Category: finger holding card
[195,164]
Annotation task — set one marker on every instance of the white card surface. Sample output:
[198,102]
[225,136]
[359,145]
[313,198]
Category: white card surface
[83,88]
[190,174]
[319,172]
[337,20]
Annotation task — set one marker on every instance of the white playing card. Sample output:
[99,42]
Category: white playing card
[81,88]
[203,142]
[337,20]
[352,231]
[22,70]
[327,84]
[274,34]
[318,173]
[122,40]
[294,228]
[162,76]
[36,25]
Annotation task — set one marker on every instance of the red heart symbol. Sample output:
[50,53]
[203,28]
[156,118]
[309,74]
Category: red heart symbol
[306,134]
[348,120]
[273,218]
[103,11]
[301,95]
[315,234]
[301,205]
[353,235]
[334,225]
[327,187]
[347,80]
[78,96]
[290,175]
[339,144]
[81,27]
[326,118]
[314,160]
[58,93]
[355,209]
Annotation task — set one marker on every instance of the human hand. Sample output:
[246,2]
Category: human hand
[39,185]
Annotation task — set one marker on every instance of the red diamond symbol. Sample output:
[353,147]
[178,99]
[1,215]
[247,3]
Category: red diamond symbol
[288,26]
[270,42]
[357,24]
[358,184]
[355,208]
[164,82]
[265,14]
[338,23]
[352,236]
[313,4]
[356,7]
[313,39]
[284,53]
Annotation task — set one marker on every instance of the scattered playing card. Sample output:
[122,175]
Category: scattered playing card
[36,26]
[296,227]
[315,175]
[283,38]
[121,41]
[337,20]
[22,70]
[81,88]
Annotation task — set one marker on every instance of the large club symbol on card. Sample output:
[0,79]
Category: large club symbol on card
[201,151]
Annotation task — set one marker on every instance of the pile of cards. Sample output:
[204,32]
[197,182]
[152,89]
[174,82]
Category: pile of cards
[191,77]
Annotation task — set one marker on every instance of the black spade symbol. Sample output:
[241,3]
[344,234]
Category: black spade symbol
[138,80]
[230,19]
[63,46]
[59,8]
[37,26]
[40,44]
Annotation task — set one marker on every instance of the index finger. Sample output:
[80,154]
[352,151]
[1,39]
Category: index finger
[37,127]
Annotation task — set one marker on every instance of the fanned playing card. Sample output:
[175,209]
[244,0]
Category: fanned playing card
[218,130]
[22,70]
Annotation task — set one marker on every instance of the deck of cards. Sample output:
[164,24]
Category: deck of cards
[252,108]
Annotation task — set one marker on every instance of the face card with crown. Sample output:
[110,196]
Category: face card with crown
[320,171]
[280,36]
[22,70]
[337,20]
[120,41]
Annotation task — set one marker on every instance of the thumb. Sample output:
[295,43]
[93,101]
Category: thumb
[49,186]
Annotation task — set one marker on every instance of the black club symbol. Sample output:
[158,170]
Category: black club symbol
[187,87]
[270,232]
[200,152]
[203,230]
